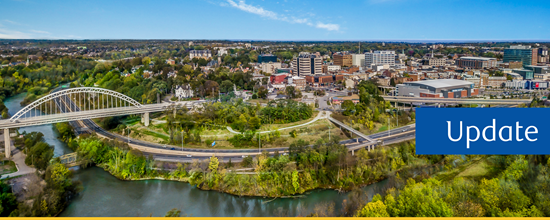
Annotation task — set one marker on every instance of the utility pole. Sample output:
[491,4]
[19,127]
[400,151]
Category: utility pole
[182,140]
[259,143]
[128,135]
[389,129]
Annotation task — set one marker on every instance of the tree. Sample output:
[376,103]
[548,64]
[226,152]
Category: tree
[262,92]
[214,163]
[173,213]
[290,92]
[226,86]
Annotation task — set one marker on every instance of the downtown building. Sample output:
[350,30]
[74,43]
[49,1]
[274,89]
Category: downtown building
[520,53]
[476,62]
[380,57]
[307,64]
[438,88]
[342,59]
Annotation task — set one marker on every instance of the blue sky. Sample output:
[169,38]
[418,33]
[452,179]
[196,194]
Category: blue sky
[277,19]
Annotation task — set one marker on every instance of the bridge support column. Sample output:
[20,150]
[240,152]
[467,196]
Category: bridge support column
[352,152]
[174,112]
[146,119]
[7,144]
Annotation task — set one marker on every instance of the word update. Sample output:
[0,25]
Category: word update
[505,133]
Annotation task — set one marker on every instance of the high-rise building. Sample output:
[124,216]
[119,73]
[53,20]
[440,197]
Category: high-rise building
[342,59]
[380,57]
[266,58]
[358,59]
[307,64]
[525,54]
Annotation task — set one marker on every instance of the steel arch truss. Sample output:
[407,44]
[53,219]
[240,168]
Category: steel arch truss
[89,93]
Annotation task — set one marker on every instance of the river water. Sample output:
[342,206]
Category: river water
[105,195]
[49,131]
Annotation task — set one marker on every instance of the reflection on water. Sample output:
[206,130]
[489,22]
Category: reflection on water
[50,133]
[105,195]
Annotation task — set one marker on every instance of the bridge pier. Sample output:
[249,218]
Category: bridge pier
[7,144]
[352,152]
[145,119]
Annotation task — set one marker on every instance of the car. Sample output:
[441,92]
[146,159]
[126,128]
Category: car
[284,154]
[165,146]
[172,148]
[244,156]
[189,155]
[404,130]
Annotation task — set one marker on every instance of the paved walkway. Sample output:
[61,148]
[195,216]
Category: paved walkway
[319,116]
[22,168]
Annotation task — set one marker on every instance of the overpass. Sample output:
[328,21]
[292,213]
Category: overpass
[405,99]
[79,105]
[87,103]
[369,143]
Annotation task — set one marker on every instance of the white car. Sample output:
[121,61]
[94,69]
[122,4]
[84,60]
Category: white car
[284,154]
[244,156]
[189,155]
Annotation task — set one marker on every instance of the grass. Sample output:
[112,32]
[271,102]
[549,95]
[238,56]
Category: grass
[474,169]
[383,128]
[150,133]
[8,167]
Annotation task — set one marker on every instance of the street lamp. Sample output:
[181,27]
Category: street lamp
[182,140]
[128,135]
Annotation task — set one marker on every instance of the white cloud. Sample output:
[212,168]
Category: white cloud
[330,27]
[258,10]
[299,21]
[11,22]
[10,34]
[254,10]
[40,32]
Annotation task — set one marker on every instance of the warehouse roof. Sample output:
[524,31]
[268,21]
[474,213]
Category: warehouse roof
[477,58]
[442,83]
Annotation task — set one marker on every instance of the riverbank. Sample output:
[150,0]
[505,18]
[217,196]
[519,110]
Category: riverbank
[186,180]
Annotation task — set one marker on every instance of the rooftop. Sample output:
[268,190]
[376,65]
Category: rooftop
[478,58]
[442,83]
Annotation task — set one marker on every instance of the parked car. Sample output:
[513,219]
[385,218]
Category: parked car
[189,155]
[172,148]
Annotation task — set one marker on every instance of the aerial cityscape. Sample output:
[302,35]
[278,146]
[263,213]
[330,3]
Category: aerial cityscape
[264,109]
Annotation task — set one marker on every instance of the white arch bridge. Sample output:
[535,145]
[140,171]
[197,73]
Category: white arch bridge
[79,104]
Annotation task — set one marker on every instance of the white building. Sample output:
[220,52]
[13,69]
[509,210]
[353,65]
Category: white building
[380,57]
[222,51]
[184,91]
[271,67]
[205,54]
[358,59]
[333,68]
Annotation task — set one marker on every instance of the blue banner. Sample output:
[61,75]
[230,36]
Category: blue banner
[482,131]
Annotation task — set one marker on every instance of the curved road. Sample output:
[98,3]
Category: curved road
[165,153]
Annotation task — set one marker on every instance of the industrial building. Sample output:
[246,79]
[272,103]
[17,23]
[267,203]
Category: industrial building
[438,88]
[526,84]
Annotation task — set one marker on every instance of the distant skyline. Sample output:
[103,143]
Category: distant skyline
[278,20]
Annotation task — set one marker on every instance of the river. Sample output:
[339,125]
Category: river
[105,195]
[49,131]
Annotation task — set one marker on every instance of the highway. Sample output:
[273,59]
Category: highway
[163,152]
[404,99]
